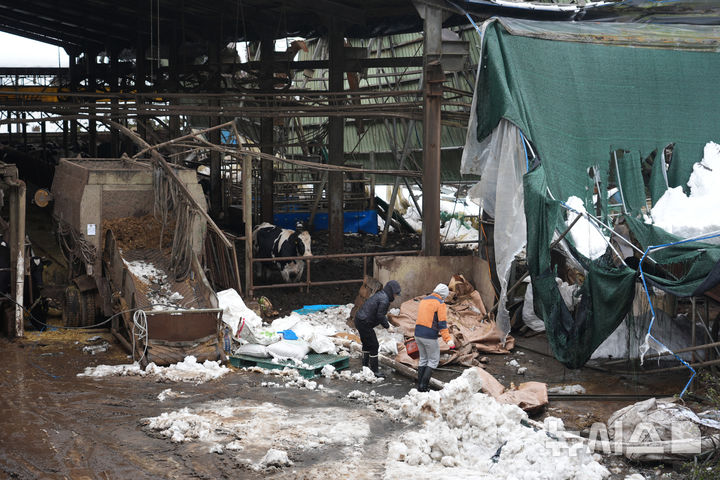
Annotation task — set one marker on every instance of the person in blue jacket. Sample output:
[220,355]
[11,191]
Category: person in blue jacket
[371,314]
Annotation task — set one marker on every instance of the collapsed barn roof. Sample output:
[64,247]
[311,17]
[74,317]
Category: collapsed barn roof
[100,24]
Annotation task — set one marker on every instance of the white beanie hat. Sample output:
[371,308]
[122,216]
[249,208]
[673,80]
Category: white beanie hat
[442,290]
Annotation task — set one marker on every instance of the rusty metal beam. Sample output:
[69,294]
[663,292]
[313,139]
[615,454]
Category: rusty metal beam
[433,79]
[336,131]
[267,52]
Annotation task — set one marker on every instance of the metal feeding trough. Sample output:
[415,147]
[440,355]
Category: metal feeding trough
[159,318]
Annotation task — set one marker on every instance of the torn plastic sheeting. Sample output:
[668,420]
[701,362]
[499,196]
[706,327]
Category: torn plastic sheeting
[235,313]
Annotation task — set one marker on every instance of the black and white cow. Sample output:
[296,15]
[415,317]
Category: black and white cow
[271,241]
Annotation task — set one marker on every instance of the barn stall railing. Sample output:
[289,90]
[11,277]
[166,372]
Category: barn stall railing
[251,287]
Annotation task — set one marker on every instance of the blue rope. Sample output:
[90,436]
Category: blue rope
[652,310]
[464,12]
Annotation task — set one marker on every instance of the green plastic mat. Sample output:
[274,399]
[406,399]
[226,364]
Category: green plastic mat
[313,363]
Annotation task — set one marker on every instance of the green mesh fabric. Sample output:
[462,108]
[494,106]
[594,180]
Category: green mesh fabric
[633,188]
[578,102]
[605,296]
[681,269]
[657,185]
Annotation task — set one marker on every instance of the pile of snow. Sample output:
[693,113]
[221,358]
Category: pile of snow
[188,370]
[168,393]
[568,390]
[161,294]
[695,214]
[294,379]
[587,239]
[236,424]
[275,458]
[465,434]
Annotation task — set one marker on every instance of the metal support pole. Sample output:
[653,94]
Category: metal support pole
[216,193]
[65,126]
[247,216]
[432,101]
[72,66]
[17,251]
[431,159]
[173,71]
[140,69]
[90,61]
[336,130]
[372,181]
[267,52]
[23,125]
[114,86]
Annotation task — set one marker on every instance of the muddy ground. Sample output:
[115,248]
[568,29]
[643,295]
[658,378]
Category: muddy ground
[56,425]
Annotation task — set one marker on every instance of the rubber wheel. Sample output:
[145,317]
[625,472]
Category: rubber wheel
[72,310]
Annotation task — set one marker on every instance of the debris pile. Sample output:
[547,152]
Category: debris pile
[134,233]
[160,293]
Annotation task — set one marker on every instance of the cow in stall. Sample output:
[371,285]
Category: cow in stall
[271,241]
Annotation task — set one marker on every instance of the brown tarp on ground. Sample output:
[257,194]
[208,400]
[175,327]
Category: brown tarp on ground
[472,336]
[529,396]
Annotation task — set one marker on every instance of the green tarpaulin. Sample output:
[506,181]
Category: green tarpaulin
[577,103]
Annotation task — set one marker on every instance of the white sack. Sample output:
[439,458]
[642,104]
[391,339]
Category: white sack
[322,344]
[289,350]
[253,349]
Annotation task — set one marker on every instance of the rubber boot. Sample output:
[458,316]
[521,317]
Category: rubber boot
[374,366]
[366,359]
[420,375]
[425,380]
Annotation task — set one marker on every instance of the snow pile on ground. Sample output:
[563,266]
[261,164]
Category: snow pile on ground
[168,393]
[567,389]
[695,214]
[466,434]
[275,458]
[161,294]
[235,424]
[296,380]
[377,402]
[586,238]
[188,370]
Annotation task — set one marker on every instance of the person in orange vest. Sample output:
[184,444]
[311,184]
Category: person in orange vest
[431,323]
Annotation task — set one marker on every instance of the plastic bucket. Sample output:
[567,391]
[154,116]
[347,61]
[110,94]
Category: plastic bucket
[411,348]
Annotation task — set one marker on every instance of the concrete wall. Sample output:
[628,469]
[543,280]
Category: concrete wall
[419,275]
